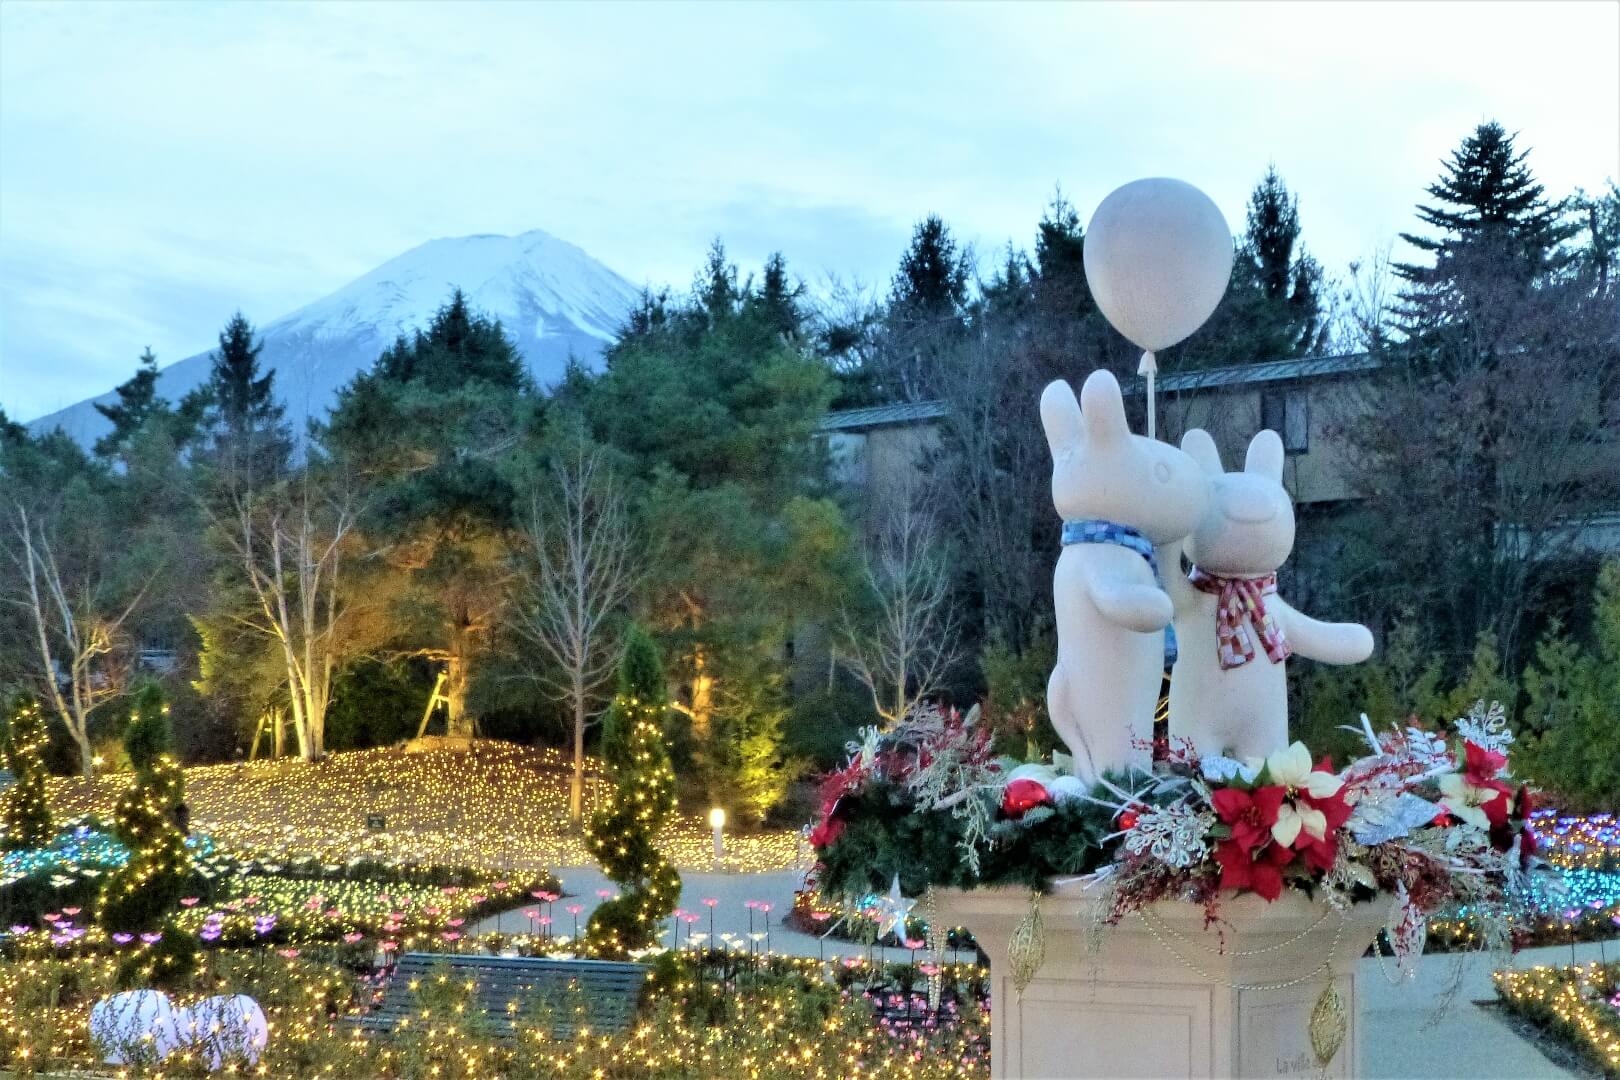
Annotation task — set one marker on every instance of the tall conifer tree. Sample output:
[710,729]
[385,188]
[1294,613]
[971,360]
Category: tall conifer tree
[433,428]
[137,403]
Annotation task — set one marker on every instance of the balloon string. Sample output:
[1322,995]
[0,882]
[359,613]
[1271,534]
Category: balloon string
[1150,367]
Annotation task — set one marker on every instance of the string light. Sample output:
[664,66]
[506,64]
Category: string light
[710,1013]
[500,807]
[1581,1001]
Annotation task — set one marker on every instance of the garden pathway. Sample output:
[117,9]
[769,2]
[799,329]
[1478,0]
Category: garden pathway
[1401,1037]
[732,892]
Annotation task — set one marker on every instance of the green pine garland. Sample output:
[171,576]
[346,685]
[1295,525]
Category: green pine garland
[27,814]
[623,835]
[885,835]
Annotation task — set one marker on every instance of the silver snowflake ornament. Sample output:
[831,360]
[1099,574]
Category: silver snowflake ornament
[1172,834]
[1486,727]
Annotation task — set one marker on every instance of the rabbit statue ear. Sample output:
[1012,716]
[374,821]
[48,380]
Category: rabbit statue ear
[1103,408]
[1265,457]
[1060,416]
[1201,448]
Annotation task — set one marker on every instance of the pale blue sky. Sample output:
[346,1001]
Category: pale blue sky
[162,165]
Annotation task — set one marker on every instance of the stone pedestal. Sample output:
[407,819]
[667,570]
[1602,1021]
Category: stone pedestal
[1161,996]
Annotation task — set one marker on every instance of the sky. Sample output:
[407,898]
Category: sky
[162,165]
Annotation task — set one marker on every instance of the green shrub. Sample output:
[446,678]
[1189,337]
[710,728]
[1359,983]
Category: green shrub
[1570,726]
[1400,684]
[822,721]
[1015,701]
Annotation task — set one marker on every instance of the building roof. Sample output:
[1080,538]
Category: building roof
[1311,367]
[903,412]
[1270,371]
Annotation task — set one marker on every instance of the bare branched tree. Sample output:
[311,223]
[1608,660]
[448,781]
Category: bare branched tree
[1362,321]
[291,543]
[907,645]
[577,573]
[77,627]
[1488,450]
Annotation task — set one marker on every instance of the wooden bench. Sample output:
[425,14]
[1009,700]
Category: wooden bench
[510,993]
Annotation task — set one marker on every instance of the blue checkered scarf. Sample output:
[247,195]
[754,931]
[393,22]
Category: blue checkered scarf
[1097,531]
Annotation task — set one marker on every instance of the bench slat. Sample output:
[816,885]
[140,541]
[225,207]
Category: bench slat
[554,991]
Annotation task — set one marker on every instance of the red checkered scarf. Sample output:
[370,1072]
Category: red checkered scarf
[1240,602]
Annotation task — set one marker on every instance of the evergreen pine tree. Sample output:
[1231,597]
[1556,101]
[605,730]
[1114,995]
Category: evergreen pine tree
[623,835]
[27,814]
[141,895]
[242,398]
[137,403]
[251,443]
[927,309]
[779,298]
[932,282]
[716,285]
[1487,195]
[1060,271]
[11,432]
[1272,309]
[1288,279]
[435,426]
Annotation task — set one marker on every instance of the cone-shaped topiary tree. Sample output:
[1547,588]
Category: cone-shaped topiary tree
[141,895]
[623,835]
[27,815]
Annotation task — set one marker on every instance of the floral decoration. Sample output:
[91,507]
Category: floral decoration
[1428,821]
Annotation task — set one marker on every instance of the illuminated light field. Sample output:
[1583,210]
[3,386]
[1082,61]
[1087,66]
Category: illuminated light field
[502,808]
[739,1018]
[1579,1002]
[1579,842]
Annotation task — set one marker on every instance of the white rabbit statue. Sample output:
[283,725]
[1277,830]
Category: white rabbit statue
[1119,495]
[1229,687]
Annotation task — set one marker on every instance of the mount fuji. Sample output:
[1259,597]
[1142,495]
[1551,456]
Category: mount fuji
[552,299]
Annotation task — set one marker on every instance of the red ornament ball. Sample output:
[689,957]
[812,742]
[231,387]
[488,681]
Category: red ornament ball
[1022,796]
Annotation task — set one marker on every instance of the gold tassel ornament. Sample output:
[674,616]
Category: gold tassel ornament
[1026,949]
[1328,1025]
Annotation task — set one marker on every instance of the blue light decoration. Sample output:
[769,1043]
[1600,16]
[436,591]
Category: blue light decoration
[85,847]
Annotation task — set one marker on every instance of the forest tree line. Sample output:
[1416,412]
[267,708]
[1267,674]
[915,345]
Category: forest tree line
[451,530]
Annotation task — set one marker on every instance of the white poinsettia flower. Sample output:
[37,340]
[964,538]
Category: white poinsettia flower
[1292,819]
[1462,800]
[1292,769]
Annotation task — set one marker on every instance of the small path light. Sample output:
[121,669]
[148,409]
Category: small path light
[717,821]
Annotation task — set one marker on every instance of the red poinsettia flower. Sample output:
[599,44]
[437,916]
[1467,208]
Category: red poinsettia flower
[1251,814]
[1508,816]
[1480,766]
[1023,795]
[826,831]
[1496,810]
[1260,872]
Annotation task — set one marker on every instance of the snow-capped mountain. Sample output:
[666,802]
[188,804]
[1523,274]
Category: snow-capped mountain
[552,299]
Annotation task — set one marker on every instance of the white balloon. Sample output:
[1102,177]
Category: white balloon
[134,1026]
[1158,256]
[227,1027]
